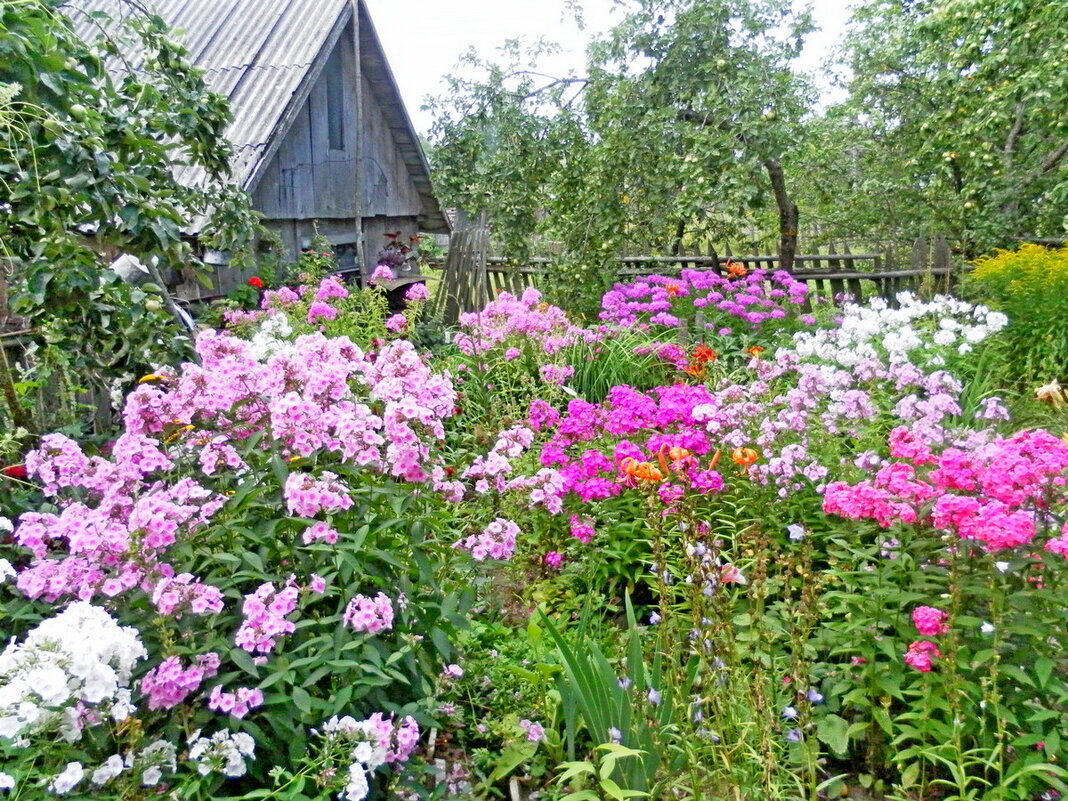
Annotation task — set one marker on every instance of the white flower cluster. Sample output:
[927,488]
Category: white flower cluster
[271,336]
[917,331]
[79,656]
[224,752]
[150,763]
[366,753]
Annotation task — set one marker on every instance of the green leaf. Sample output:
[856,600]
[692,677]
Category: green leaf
[302,700]
[511,758]
[833,731]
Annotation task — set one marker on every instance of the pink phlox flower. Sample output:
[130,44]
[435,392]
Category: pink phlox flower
[921,655]
[370,615]
[381,273]
[929,622]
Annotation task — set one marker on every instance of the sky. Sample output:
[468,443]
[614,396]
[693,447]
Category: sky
[424,39]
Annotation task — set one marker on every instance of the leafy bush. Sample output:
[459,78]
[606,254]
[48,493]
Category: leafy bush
[1030,285]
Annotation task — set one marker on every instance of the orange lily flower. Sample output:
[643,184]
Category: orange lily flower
[744,456]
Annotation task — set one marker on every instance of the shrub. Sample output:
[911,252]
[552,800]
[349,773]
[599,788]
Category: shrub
[1031,286]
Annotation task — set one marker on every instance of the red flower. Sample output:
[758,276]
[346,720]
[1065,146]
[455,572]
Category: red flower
[256,281]
[16,471]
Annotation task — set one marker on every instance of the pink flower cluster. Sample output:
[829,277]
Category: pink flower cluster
[176,595]
[660,300]
[397,740]
[265,612]
[582,529]
[112,535]
[237,704]
[168,684]
[994,493]
[929,622]
[371,615]
[282,298]
[496,541]
[510,318]
[417,293]
[629,425]
[921,655]
[306,496]
[320,531]
[380,410]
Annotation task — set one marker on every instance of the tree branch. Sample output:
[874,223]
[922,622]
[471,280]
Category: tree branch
[1053,159]
[1014,135]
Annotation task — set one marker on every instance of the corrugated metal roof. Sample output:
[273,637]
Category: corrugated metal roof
[258,53]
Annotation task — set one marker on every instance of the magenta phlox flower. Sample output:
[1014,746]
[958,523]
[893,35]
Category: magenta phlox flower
[331,289]
[921,655]
[381,273]
[417,293]
[582,529]
[321,311]
[929,622]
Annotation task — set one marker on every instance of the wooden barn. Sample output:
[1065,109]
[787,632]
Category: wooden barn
[322,139]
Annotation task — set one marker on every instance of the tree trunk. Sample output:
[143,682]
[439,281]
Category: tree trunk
[680,232]
[789,215]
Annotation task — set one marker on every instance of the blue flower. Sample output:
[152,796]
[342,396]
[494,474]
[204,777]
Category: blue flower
[789,713]
[815,697]
[794,735]
[654,696]
[796,532]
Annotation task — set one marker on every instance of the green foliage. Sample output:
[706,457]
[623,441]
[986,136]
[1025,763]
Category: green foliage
[88,159]
[1031,286]
[707,84]
[953,124]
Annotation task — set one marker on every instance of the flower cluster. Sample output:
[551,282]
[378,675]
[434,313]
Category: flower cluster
[168,684]
[379,410]
[265,612]
[175,595]
[995,493]
[496,541]
[525,318]
[755,298]
[370,615]
[237,704]
[929,622]
[916,331]
[68,665]
[921,655]
[369,744]
[224,752]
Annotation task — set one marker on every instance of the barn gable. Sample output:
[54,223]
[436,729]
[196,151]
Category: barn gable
[322,140]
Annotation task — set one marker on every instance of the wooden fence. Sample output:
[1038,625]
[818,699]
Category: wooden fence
[471,278]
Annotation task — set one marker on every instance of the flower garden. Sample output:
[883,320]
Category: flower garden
[723,542]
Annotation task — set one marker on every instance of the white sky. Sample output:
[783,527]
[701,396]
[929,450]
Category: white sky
[424,39]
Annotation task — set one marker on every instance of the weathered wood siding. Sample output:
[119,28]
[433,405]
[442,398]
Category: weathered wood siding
[310,177]
[388,190]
